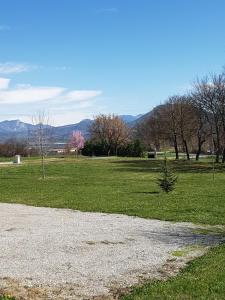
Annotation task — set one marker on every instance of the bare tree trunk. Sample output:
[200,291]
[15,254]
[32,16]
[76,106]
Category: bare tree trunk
[217,148]
[157,145]
[197,155]
[217,157]
[176,147]
[116,150]
[42,167]
[200,143]
[223,152]
[223,157]
[42,151]
[186,149]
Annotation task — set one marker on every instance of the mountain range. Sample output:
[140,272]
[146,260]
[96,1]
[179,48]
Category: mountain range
[16,129]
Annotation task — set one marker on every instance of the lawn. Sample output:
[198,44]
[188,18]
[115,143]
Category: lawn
[128,186]
[118,186]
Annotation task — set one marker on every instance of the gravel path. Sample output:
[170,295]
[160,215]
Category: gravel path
[48,253]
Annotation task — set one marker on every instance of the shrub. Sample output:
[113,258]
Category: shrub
[132,149]
[167,180]
[91,148]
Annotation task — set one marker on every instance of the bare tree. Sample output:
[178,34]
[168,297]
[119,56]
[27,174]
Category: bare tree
[110,131]
[162,127]
[41,137]
[209,94]
[170,121]
[200,125]
[186,122]
[173,123]
[151,130]
[218,82]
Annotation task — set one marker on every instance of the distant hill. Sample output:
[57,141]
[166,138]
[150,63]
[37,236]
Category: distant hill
[129,118]
[143,117]
[61,133]
[15,129]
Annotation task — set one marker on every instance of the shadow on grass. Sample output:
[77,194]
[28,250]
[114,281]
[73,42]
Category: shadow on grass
[183,236]
[147,193]
[155,166]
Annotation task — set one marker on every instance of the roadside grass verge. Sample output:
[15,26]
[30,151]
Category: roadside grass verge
[203,278]
[7,297]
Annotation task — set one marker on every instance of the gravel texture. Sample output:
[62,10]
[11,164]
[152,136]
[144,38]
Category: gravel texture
[48,253]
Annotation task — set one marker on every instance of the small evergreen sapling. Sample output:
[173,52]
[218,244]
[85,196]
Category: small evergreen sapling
[167,180]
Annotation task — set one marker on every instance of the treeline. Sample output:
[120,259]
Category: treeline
[194,122]
[109,135]
[189,123]
[13,147]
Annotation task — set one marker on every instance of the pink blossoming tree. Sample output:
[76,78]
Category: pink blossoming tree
[76,141]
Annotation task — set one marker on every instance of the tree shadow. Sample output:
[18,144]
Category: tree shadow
[155,166]
[147,193]
[182,235]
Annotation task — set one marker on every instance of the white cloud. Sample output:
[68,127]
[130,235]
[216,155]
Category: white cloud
[64,105]
[4,83]
[10,68]
[29,94]
[24,93]
[4,27]
[81,95]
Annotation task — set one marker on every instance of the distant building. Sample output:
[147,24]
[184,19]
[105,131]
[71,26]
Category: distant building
[58,148]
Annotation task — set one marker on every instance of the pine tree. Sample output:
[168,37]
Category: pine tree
[167,180]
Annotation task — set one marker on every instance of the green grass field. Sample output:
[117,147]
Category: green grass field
[118,186]
[128,186]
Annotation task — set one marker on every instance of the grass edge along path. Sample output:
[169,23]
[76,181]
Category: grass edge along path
[203,278]
[119,186]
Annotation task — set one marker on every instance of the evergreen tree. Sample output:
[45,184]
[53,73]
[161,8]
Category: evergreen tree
[167,180]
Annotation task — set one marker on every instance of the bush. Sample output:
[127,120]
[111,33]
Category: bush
[95,149]
[132,149]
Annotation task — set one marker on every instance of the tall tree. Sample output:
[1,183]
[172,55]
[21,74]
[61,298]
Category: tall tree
[170,121]
[209,95]
[186,117]
[200,125]
[151,130]
[218,82]
[110,131]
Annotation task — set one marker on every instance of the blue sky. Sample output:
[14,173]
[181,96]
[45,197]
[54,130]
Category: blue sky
[78,58]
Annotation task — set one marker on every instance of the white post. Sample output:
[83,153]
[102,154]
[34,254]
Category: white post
[17,159]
